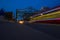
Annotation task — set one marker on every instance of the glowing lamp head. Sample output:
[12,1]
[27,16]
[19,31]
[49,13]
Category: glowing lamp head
[41,14]
[21,22]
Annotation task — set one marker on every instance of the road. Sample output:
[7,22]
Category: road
[50,29]
[15,31]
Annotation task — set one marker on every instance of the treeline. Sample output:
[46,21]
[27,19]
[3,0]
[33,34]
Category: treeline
[7,15]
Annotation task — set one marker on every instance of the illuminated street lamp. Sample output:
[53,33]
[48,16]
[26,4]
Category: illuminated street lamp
[21,22]
[41,14]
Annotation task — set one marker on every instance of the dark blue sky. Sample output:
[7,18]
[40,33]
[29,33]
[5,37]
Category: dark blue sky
[12,5]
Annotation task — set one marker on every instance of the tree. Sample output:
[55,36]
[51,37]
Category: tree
[8,15]
[2,12]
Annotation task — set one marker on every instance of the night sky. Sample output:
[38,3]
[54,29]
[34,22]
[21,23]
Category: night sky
[12,5]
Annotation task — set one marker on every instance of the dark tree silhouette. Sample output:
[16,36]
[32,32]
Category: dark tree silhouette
[8,15]
[2,12]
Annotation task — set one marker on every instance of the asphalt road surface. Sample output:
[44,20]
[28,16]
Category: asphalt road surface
[50,29]
[15,31]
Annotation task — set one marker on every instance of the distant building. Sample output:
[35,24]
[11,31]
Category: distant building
[24,13]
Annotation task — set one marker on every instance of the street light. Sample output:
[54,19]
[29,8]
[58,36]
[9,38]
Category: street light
[41,14]
[21,22]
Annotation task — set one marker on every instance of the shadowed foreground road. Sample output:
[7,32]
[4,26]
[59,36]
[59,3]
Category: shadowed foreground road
[15,31]
[50,29]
